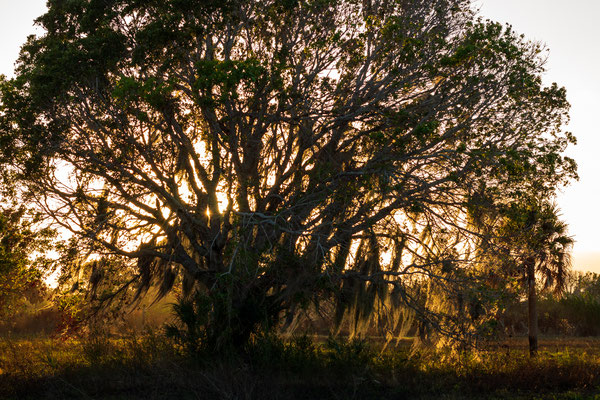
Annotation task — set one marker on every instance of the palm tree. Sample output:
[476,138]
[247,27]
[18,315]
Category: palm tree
[543,249]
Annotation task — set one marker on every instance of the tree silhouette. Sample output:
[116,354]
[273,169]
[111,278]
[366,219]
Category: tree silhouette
[272,154]
[540,246]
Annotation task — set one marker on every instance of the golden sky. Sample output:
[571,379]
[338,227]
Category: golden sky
[571,31]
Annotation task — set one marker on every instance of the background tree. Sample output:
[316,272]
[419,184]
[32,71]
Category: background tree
[274,154]
[23,244]
[537,241]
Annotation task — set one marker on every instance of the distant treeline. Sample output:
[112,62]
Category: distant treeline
[574,313]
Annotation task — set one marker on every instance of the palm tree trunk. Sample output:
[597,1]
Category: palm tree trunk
[533,316]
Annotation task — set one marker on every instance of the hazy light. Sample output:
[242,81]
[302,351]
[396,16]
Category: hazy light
[16,23]
[570,30]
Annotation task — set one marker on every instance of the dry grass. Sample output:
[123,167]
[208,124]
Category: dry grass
[149,367]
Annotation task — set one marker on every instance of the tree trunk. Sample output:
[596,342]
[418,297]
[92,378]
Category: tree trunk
[532,303]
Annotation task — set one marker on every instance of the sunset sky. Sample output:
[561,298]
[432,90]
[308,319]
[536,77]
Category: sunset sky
[571,32]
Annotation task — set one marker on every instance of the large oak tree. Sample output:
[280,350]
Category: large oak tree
[272,154]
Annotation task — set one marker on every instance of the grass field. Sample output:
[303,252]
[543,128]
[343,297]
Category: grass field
[149,367]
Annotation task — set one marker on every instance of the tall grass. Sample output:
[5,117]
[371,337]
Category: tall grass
[149,366]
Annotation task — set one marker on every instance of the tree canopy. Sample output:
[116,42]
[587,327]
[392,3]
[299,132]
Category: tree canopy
[275,154]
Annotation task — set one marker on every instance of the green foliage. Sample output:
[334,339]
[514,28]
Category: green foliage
[533,233]
[21,269]
[298,355]
[580,315]
[573,313]
[273,158]
[192,316]
[348,356]
[227,76]
[215,324]
[73,310]
[151,91]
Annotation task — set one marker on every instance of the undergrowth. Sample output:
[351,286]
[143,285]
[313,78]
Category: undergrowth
[149,366]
